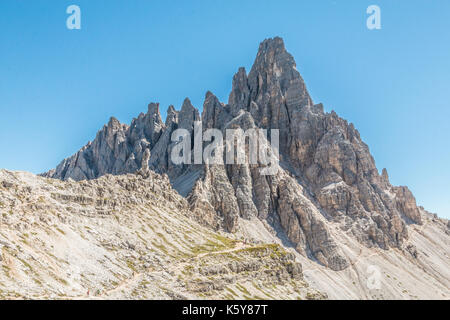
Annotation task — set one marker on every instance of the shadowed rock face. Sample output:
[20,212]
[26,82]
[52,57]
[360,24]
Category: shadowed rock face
[326,173]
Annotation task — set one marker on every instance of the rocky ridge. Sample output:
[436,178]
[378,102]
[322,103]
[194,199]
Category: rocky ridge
[128,237]
[134,237]
[326,175]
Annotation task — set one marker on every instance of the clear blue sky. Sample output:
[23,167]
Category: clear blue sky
[59,86]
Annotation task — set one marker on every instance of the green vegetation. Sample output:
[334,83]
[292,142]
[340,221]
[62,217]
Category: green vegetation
[227,242]
[26,264]
[242,289]
[61,280]
[188,270]
[311,296]
[6,270]
[265,293]
[131,265]
[232,292]
[140,237]
[160,247]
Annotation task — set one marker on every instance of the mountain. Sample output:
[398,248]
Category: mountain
[327,199]
[128,237]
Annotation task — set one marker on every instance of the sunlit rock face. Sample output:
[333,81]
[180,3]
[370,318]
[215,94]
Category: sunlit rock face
[326,174]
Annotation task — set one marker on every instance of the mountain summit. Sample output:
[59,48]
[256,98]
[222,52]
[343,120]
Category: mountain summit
[327,187]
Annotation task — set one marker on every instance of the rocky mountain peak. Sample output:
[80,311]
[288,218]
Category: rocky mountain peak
[273,66]
[212,108]
[326,176]
[240,93]
[385,175]
[188,114]
[271,47]
[153,109]
[172,116]
[114,124]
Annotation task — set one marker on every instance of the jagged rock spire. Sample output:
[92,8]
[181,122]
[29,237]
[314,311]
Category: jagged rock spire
[240,93]
[188,114]
[172,116]
[211,111]
[327,176]
[274,66]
